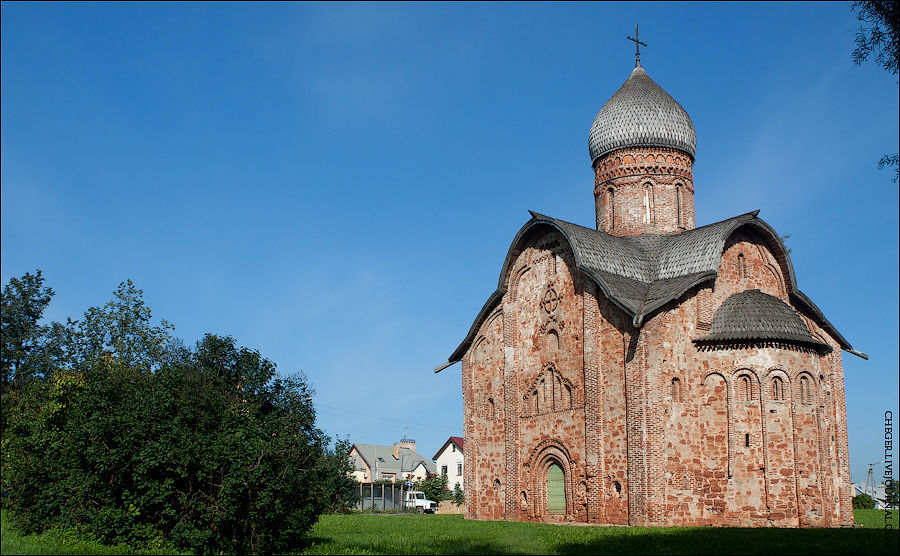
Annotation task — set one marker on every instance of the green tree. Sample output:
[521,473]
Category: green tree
[890,491]
[458,496]
[215,453]
[878,33]
[136,438]
[863,502]
[121,329]
[21,309]
[434,487]
[339,483]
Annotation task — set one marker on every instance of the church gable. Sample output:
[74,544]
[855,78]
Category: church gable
[544,293]
[748,263]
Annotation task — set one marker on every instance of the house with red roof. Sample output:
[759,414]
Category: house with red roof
[449,461]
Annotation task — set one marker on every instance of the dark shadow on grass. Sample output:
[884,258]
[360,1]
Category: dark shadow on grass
[728,540]
[418,536]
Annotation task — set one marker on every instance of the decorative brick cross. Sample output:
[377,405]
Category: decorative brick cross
[550,301]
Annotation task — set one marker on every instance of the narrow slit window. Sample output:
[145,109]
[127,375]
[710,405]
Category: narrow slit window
[649,216]
[777,389]
[746,389]
[612,208]
[678,203]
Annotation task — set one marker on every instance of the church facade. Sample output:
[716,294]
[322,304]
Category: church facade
[647,371]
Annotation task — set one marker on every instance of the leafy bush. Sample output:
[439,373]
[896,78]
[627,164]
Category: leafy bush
[130,441]
[863,502]
[434,487]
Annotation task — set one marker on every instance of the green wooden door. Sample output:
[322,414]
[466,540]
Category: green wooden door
[556,490]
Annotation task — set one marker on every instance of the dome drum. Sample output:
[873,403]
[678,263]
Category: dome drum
[643,161]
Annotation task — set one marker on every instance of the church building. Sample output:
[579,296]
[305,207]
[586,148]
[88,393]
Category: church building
[646,371]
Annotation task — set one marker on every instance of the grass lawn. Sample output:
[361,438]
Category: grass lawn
[450,534]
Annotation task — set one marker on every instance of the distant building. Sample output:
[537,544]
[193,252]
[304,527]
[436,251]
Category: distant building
[372,462]
[449,461]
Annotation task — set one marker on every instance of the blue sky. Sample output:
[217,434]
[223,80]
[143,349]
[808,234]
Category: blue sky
[336,185]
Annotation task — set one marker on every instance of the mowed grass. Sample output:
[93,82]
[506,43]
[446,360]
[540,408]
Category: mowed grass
[876,519]
[450,534]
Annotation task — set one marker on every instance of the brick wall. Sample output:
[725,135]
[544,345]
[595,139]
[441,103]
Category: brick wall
[644,191]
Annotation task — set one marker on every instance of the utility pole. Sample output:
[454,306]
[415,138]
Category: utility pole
[402,484]
[870,477]
[374,474]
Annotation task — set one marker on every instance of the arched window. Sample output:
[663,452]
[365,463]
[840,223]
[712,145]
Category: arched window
[552,341]
[745,388]
[741,266]
[806,395]
[777,389]
[676,390]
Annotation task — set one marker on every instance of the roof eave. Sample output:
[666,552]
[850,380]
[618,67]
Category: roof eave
[823,321]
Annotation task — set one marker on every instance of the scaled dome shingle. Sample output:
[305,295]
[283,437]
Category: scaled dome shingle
[641,114]
[753,315]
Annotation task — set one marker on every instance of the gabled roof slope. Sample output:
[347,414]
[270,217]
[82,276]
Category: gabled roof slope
[457,440]
[642,273]
[384,457]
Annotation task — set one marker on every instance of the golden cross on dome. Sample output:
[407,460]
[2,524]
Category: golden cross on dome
[637,47]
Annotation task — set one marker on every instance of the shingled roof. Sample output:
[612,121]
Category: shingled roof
[753,315]
[382,458]
[641,113]
[641,273]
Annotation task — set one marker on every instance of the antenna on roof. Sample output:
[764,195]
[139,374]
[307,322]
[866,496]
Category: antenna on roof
[405,432]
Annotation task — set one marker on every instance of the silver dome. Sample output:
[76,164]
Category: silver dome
[641,114]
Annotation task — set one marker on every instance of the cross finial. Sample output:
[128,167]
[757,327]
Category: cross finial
[637,47]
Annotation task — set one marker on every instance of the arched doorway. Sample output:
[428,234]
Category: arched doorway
[553,478]
[556,490]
